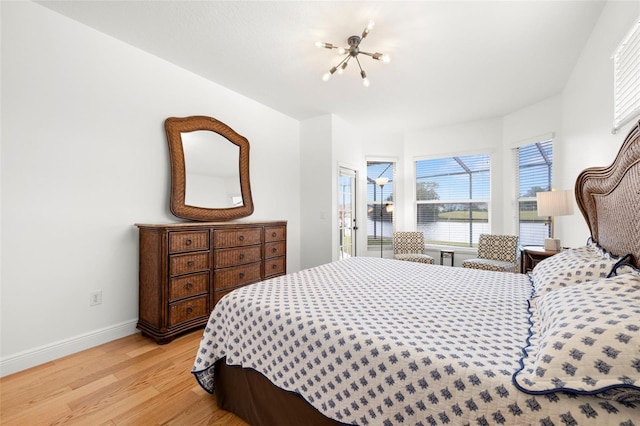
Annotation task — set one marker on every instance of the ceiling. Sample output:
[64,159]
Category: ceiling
[451,61]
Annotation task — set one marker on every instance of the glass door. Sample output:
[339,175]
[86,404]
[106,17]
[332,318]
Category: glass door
[347,212]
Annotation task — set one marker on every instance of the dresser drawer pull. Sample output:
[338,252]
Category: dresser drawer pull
[190,263]
[241,237]
[273,234]
[241,275]
[274,266]
[241,255]
[189,309]
[188,242]
[189,286]
[273,250]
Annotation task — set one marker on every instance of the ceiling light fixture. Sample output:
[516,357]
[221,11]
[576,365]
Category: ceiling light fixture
[352,51]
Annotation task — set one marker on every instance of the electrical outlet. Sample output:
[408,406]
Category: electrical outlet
[95,298]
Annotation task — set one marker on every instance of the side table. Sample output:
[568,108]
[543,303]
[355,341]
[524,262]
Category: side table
[446,253]
[530,256]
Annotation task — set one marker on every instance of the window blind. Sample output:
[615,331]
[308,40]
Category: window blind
[626,65]
[452,199]
[534,165]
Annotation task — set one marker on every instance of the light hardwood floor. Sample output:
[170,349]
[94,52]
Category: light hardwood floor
[130,381]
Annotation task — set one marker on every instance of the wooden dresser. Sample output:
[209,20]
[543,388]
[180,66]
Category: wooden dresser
[186,268]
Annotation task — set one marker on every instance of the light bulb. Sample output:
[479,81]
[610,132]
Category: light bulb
[365,80]
[326,76]
[323,44]
[381,57]
[367,29]
[341,50]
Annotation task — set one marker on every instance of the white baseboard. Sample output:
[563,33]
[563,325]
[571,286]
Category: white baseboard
[41,354]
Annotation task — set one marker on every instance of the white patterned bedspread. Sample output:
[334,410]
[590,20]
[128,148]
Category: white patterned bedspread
[386,342]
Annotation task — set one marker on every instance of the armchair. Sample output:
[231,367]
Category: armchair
[409,245]
[495,253]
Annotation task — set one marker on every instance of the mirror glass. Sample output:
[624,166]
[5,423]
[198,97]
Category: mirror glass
[212,172]
[209,170]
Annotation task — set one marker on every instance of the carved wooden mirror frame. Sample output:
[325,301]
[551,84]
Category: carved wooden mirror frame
[174,127]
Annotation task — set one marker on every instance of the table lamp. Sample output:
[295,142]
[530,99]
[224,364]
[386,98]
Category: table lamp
[554,203]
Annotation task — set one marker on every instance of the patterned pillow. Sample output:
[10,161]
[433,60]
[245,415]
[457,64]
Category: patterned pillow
[585,339]
[573,266]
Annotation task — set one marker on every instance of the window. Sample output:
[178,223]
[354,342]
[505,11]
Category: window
[626,70]
[534,163]
[380,204]
[452,199]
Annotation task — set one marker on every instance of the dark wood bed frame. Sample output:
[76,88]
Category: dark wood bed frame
[609,199]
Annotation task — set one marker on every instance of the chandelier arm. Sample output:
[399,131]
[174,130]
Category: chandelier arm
[345,59]
[365,32]
[377,56]
[326,45]
[358,61]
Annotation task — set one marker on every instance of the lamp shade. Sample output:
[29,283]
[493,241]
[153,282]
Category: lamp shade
[555,203]
[382,181]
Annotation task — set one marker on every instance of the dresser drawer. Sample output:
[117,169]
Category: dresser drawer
[188,285]
[187,263]
[188,309]
[236,276]
[276,249]
[236,256]
[237,237]
[275,233]
[188,241]
[275,266]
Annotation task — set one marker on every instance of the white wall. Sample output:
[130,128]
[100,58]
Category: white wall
[327,142]
[84,157]
[316,191]
[587,109]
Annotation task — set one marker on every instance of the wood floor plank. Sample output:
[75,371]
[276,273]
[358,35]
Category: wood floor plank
[117,369]
[31,398]
[123,388]
[107,408]
[33,412]
[162,408]
[130,381]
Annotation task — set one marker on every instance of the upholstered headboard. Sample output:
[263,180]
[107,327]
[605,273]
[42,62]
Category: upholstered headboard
[609,198]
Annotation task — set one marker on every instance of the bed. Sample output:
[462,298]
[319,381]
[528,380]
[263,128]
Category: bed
[384,342]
